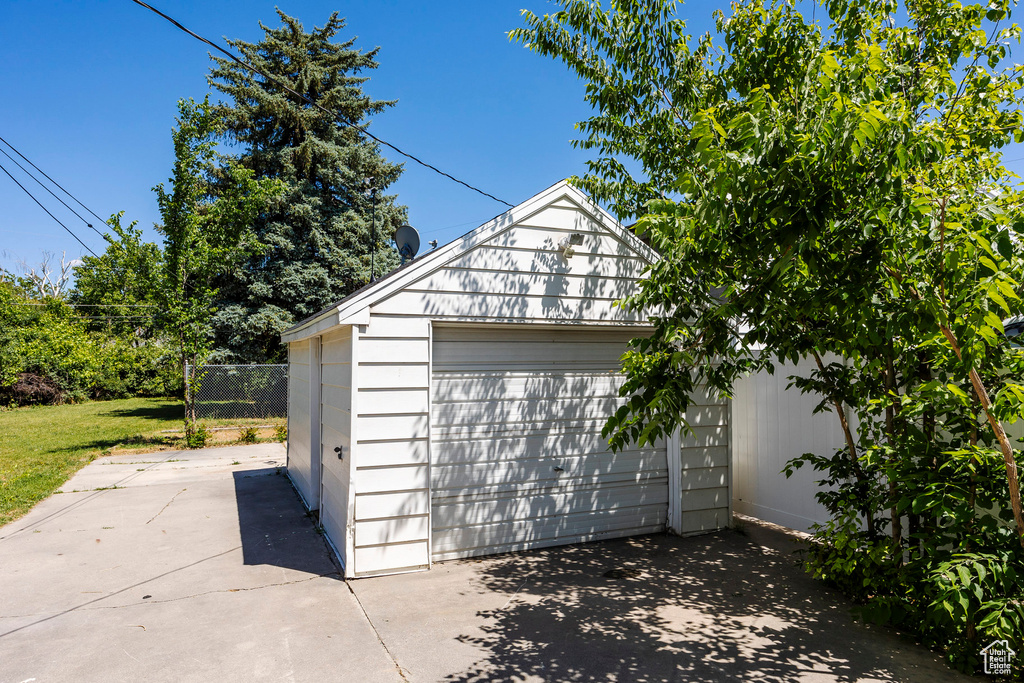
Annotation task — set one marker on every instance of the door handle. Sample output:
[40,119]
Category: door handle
[340,451]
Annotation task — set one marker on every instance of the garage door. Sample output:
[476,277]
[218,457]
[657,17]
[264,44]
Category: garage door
[517,457]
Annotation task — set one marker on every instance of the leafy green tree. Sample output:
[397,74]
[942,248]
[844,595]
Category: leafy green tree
[318,239]
[207,230]
[42,344]
[120,290]
[834,190]
[119,296]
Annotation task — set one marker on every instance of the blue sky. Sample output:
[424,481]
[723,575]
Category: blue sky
[90,92]
[90,88]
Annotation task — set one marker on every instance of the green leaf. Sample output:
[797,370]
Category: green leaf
[958,392]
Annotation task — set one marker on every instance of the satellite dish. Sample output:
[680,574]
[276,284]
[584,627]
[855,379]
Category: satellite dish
[408,241]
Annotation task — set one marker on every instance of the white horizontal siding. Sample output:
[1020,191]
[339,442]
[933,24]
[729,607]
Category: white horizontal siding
[569,527]
[518,275]
[394,530]
[391,450]
[529,469]
[704,460]
[498,307]
[394,375]
[543,239]
[521,275]
[567,284]
[390,558]
[397,452]
[389,401]
[336,432]
[489,258]
[373,506]
[299,438]
[383,479]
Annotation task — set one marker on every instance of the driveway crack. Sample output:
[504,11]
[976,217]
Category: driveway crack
[168,504]
[398,667]
[219,590]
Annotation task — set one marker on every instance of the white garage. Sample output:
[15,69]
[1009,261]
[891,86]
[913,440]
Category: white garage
[454,408]
[517,455]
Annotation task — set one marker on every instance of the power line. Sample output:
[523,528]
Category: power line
[29,162]
[116,317]
[48,211]
[94,305]
[40,183]
[334,114]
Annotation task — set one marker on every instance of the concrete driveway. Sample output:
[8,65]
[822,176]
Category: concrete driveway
[202,566]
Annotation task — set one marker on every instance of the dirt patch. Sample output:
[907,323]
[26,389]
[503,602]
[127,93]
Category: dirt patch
[175,441]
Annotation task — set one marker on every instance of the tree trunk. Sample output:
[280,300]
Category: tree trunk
[869,517]
[1004,443]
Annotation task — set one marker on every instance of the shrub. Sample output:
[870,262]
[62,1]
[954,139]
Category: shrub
[281,433]
[134,368]
[48,356]
[196,435]
[30,389]
[248,435]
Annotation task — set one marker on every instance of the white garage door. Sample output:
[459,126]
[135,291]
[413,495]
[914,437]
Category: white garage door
[517,457]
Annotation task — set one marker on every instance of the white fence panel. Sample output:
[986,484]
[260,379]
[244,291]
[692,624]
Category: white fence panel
[772,425]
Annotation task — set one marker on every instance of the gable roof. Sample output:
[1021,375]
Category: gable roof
[354,309]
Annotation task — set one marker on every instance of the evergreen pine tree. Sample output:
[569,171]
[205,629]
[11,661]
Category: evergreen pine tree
[317,239]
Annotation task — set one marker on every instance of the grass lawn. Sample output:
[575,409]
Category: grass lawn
[41,447]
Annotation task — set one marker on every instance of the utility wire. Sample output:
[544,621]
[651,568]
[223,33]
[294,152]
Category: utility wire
[336,116]
[29,162]
[40,183]
[93,305]
[47,211]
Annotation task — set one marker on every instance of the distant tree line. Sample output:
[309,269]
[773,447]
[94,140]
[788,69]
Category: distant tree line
[266,219]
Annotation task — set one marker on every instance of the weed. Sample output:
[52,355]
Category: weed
[281,433]
[196,435]
[248,435]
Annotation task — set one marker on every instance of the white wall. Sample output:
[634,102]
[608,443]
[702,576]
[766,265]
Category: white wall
[299,460]
[336,431]
[771,425]
[519,275]
[704,467]
[391,409]
[517,457]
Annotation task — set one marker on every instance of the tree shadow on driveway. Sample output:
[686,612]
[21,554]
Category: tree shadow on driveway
[662,608]
[274,527]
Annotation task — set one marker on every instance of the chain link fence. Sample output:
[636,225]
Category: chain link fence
[240,391]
